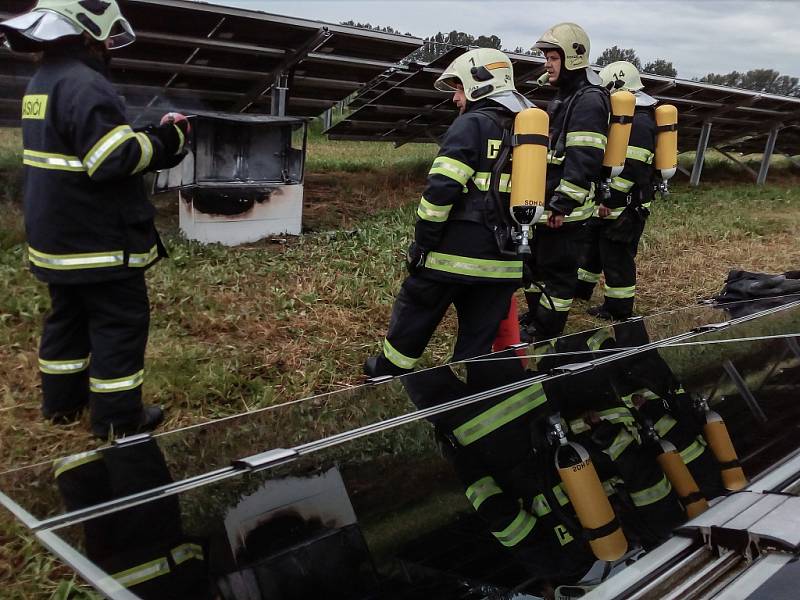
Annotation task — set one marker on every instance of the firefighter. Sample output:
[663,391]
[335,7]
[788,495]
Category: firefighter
[579,117]
[88,220]
[618,224]
[455,258]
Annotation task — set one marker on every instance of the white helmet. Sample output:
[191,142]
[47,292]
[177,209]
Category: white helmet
[483,73]
[622,75]
[573,42]
[51,20]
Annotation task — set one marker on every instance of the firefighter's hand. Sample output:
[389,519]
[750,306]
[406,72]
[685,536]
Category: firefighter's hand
[415,257]
[555,220]
[177,119]
[603,211]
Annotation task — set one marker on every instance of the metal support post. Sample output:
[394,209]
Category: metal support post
[768,150]
[702,144]
[327,119]
[279,89]
[744,391]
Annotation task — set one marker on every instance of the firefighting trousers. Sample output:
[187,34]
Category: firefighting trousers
[92,351]
[617,260]
[421,305]
[556,256]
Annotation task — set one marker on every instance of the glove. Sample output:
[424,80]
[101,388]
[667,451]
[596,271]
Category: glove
[177,119]
[415,257]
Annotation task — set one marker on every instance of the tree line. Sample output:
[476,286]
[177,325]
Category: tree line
[762,80]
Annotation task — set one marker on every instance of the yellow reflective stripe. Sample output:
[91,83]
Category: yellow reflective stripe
[184,552]
[483,181]
[589,139]
[181,138]
[693,450]
[620,443]
[144,572]
[646,205]
[588,276]
[57,162]
[620,292]
[600,337]
[559,304]
[641,154]
[621,184]
[664,425]
[452,168]
[474,267]
[482,490]
[503,413]
[143,259]
[616,415]
[146,147]
[573,191]
[553,159]
[578,426]
[66,262]
[398,358]
[579,214]
[105,146]
[614,214]
[105,386]
[652,494]
[62,465]
[517,530]
[63,367]
[433,212]
[541,507]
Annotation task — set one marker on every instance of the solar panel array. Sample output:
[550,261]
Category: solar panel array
[402,106]
[191,55]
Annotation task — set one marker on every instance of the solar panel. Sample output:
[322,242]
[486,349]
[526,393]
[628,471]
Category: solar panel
[741,119]
[196,56]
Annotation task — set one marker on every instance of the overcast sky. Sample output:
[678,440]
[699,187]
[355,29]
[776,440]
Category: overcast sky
[698,37]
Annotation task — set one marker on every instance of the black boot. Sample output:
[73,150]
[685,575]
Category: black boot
[378,366]
[150,418]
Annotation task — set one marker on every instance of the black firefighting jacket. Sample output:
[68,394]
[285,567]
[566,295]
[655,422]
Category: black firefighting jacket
[454,212]
[579,118]
[87,214]
[635,184]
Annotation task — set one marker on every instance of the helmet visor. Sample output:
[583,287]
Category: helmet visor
[448,82]
[121,35]
[41,26]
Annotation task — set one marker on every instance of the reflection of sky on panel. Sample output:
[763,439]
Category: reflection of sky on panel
[698,37]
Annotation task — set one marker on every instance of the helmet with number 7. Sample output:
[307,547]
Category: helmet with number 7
[483,73]
[52,20]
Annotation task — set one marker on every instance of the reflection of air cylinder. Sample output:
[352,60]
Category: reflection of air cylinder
[623,103]
[666,160]
[529,163]
[681,479]
[718,438]
[590,501]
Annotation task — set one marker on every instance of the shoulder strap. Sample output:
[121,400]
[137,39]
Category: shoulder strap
[561,143]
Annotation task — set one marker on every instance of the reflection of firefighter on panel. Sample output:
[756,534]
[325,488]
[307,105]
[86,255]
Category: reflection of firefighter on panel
[455,258]
[88,220]
[578,127]
[620,219]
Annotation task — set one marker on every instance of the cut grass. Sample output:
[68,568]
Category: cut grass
[243,328]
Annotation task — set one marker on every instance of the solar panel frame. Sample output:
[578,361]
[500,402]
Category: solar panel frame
[192,56]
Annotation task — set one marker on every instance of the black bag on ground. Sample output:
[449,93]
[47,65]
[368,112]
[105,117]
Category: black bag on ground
[744,285]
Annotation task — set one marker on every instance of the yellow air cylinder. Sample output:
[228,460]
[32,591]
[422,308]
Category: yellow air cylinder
[681,479]
[590,502]
[667,140]
[717,436]
[529,164]
[623,103]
